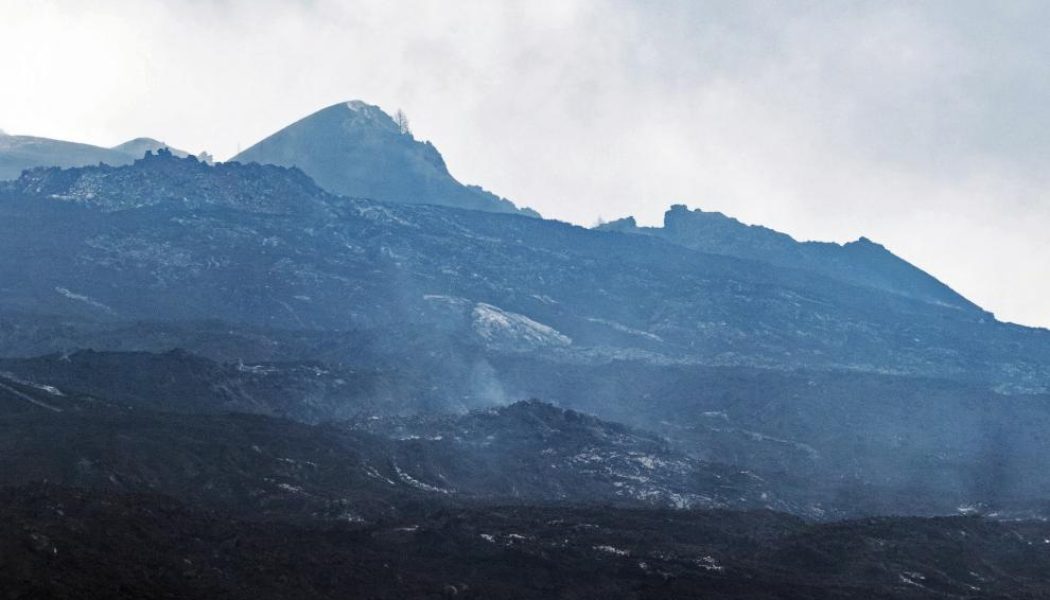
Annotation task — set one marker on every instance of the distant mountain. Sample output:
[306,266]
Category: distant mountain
[862,262]
[138,147]
[357,150]
[20,152]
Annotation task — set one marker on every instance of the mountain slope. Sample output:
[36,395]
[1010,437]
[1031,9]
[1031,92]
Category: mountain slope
[21,152]
[357,150]
[193,449]
[534,451]
[61,543]
[813,443]
[862,262]
[262,246]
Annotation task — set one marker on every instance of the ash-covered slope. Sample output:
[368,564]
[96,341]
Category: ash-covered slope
[881,444]
[61,543]
[534,451]
[812,443]
[862,262]
[174,239]
[356,149]
[180,382]
[181,441]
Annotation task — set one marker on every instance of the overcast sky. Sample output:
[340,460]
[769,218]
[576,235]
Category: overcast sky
[924,126]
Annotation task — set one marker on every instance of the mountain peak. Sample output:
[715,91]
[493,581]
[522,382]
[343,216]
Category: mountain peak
[355,116]
[363,108]
[356,149]
[866,242]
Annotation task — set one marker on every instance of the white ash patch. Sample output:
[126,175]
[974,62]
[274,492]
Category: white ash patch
[426,487]
[710,563]
[85,299]
[499,327]
[612,550]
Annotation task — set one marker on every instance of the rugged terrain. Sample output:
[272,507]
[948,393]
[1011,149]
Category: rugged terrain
[73,544]
[264,247]
[313,307]
[352,375]
[526,452]
[863,262]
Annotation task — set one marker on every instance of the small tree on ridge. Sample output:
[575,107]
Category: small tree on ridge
[402,122]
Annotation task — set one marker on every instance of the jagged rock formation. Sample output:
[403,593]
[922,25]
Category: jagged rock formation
[862,262]
[163,179]
[138,147]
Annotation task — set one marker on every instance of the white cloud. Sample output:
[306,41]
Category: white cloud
[920,125]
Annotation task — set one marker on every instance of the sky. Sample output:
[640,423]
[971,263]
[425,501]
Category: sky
[922,125]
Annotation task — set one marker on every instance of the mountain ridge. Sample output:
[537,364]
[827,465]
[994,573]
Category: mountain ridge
[862,262]
[159,222]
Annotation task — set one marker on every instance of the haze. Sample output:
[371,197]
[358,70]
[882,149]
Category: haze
[922,126]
